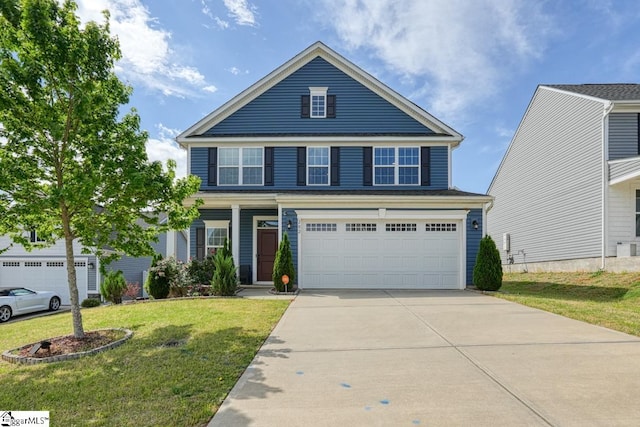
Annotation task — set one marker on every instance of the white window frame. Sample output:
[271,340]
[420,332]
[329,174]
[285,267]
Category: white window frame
[328,166]
[318,92]
[240,166]
[210,225]
[396,165]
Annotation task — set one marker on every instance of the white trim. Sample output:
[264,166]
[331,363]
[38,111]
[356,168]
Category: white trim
[623,178]
[320,92]
[213,224]
[608,106]
[318,166]
[256,219]
[317,49]
[298,140]
[449,168]
[626,159]
[235,233]
[240,166]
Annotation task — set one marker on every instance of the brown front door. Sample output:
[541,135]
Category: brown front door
[267,247]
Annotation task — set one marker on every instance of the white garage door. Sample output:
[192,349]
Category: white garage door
[44,275]
[381,254]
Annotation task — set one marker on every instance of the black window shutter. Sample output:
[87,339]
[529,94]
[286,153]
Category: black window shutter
[213,170]
[200,247]
[268,166]
[638,133]
[32,236]
[335,166]
[302,166]
[305,111]
[331,106]
[367,166]
[425,166]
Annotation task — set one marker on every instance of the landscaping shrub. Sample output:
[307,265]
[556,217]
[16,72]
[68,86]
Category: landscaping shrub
[487,273]
[167,276]
[113,286]
[200,272]
[282,265]
[90,302]
[225,277]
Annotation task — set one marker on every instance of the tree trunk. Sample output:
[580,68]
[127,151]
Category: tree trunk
[78,329]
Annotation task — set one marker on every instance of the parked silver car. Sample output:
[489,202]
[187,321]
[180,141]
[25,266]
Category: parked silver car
[16,301]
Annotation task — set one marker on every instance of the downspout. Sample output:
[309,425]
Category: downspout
[486,207]
[608,106]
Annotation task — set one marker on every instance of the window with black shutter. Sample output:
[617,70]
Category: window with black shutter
[212,170]
[335,166]
[367,166]
[302,166]
[425,166]
[268,166]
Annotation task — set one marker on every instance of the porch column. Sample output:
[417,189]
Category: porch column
[235,233]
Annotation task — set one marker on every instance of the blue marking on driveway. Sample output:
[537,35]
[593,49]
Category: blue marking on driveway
[384,401]
[345,385]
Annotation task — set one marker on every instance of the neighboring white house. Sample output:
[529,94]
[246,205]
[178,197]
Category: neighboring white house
[567,193]
[45,269]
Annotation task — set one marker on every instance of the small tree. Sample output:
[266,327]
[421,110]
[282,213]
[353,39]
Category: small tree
[487,273]
[282,265]
[225,277]
[113,286]
[166,275]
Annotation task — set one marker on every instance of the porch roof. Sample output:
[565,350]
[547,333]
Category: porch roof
[623,170]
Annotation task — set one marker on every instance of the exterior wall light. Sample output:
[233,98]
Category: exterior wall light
[475,224]
[289,224]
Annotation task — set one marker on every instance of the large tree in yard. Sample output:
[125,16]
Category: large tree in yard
[73,166]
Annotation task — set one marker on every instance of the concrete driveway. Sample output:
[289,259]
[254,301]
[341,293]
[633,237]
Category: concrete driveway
[431,358]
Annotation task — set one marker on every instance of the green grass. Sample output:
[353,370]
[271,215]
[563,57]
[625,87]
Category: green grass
[607,299]
[184,358]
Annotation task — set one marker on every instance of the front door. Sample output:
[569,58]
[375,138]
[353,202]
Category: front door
[267,247]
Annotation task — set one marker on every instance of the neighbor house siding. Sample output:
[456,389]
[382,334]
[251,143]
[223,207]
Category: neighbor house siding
[547,189]
[358,109]
[133,267]
[623,135]
[618,170]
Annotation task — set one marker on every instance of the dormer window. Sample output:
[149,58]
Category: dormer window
[318,104]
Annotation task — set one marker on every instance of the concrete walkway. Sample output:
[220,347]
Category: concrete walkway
[431,358]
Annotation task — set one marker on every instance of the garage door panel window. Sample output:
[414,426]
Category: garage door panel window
[361,227]
[55,263]
[322,227]
[441,227]
[11,263]
[396,165]
[400,227]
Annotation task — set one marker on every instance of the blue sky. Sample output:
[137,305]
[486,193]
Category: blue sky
[474,64]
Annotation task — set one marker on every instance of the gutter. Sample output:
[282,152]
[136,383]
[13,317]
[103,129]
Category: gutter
[608,106]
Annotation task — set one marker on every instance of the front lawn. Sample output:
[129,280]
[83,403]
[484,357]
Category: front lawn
[184,357]
[611,300]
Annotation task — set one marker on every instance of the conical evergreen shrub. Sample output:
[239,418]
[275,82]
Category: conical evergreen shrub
[487,273]
[282,265]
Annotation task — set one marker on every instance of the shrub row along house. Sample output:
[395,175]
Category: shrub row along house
[356,175]
[567,193]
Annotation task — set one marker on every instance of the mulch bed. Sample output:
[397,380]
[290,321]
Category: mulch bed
[69,344]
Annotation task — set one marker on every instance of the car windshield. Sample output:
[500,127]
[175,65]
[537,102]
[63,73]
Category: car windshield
[21,292]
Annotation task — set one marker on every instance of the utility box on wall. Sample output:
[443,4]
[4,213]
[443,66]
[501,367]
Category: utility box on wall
[625,249]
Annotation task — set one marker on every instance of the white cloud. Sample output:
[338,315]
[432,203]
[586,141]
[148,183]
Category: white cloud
[235,71]
[243,12]
[454,52]
[148,57]
[221,23]
[165,147]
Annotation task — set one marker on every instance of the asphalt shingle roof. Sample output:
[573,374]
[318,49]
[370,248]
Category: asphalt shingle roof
[611,91]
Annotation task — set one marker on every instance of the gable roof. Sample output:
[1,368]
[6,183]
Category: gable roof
[610,91]
[319,49]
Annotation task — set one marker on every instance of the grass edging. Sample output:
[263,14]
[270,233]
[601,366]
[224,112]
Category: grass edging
[16,358]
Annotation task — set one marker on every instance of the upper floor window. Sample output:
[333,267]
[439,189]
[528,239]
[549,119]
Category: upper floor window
[396,165]
[240,166]
[318,166]
[318,104]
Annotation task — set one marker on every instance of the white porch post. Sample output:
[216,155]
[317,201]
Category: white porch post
[235,233]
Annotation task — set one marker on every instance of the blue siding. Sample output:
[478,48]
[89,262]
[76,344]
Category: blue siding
[358,109]
[285,171]
[181,246]
[473,241]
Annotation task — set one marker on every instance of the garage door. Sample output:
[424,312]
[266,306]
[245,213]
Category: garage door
[381,254]
[43,275]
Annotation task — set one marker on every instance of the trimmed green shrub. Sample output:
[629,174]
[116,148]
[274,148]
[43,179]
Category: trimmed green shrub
[225,277]
[167,276]
[487,273]
[282,265]
[113,286]
[200,272]
[90,302]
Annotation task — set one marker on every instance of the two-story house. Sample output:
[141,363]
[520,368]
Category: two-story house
[567,193]
[356,175]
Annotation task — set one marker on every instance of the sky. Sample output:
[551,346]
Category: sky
[473,64]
